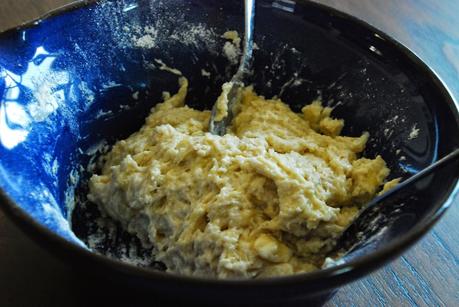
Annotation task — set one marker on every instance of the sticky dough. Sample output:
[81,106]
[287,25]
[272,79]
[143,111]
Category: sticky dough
[268,198]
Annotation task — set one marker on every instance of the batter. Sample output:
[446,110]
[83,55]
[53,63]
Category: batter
[269,198]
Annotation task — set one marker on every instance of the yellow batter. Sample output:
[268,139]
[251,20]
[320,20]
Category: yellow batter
[268,198]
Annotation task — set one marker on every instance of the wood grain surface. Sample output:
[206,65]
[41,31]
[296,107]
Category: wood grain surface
[426,275]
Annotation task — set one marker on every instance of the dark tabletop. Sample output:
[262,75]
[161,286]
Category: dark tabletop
[426,275]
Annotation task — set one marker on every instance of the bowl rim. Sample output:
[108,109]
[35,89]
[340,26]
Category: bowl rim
[347,271]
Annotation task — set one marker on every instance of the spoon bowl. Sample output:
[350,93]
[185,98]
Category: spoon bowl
[218,125]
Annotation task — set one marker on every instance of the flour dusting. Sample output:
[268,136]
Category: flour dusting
[146,41]
[86,93]
[127,252]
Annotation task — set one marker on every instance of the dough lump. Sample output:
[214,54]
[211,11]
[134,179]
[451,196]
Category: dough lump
[269,198]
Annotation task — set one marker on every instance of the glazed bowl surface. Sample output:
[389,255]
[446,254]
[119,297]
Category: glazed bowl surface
[75,82]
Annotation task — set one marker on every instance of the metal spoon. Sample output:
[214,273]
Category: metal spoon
[237,81]
[342,242]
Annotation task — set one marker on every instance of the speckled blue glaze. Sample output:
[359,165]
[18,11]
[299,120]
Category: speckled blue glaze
[65,85]
[40,117]
[77,81]
[49,81]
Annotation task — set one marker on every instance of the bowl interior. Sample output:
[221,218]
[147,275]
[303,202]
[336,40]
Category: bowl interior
[73,84]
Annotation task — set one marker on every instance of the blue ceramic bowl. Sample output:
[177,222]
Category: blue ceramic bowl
[86,76]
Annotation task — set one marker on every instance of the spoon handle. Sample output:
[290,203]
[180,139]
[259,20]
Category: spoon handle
[238,80]
[249,21]
[342,242]
[449,158]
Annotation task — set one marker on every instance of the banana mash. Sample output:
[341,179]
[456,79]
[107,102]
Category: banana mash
[269,198]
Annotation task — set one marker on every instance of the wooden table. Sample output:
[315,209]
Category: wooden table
[427,275]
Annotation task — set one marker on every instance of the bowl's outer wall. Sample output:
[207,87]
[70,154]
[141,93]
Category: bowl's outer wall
[83,79]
